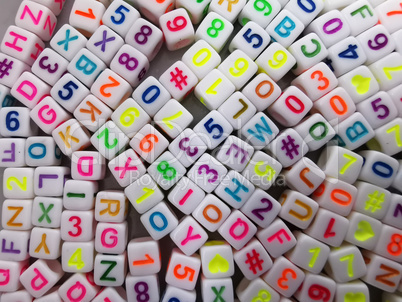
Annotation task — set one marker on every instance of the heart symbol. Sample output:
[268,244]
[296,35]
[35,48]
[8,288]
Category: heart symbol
[361,83]
[364,231]
[218,264]
[355,297]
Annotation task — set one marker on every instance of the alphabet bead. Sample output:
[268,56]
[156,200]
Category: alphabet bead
[262,15]
[145,37]
[173,118]
[12,270]
[189,236]
[178,262]
[111,238]
[214,89]
[186,195]
[18,183]
[328,227]
[87,165]
[77,226]
[13,69]
[257,288]
[364,231]
[130,64]
[229,10]
[120,16]
[49,181]
[184,80]
[139,286]
[67,41]
[92,113]
[207,173]
[244,40]
[187,147]
[284,277]
[393,213]
[304,13]
[237,230]
[110,270]
[211,212]
[42,151]
[215,30]
[159,221]
[217,260]
[21,44]
[217,289]
[308,253]
[16,214]
[85,66]
[143,256]
[201,58]
[144,194]
[206,129]
[12,152]
[41,276]
[173,292]
[29,89]
[79,286]
[248,255]
[111,206]
[127,167]
[166,170]
[285,28]
[151,95]
[79,194]
[45,243]
[275,61]
[237,159]
[345,264]
[259,131]
[290,107]
[104,43]
[360,16]
[12,249]
[109,140]
[237,110]
[46,212]
[86,16]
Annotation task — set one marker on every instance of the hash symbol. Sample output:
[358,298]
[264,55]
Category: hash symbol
[374,202]
[254,261]
[290,147]
[4,68]
[178,78]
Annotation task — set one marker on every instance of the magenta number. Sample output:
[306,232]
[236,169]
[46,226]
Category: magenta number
[130,62]
[142,36]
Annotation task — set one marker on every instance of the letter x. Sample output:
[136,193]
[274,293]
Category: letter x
[45,212]
[104,41]
[218,294]
[67,40]
[125,168]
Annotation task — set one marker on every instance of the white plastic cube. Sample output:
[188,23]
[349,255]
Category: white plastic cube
[67,41]
[49,66]
[87,165]
[217,260]
[159,221]
[211,212]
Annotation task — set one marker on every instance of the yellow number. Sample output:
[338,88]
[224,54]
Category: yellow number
[280,58]
[128,116]
[240,67]
[22,185]
[167,120]
[211,89]
[269,171]
[76,260]
[387,71]
[202,52]
[349,259]
[263,296]
[148,192]
[351,161]
[396,129]
[316,252]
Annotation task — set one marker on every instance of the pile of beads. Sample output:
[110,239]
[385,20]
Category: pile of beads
[330,231]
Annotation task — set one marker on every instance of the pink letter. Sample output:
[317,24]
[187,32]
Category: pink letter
[90,166]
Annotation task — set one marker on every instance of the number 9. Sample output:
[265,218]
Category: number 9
[237,71]
[377,39]
[177,26]
[280,57]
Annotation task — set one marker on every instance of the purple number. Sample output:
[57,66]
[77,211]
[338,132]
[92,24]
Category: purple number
[268,208]
[377,41]
[335,29]
[379,107]
[141,289]
[208,171]
[48,67]
[130,62]
[188,148]
[145,32]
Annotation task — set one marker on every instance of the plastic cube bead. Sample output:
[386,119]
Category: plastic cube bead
[235,153]
[49,181]
[127,167]
[285,28]
[387,137]
[111,206]
[177,29]
[159,221]
[77,226]
[79,194]
[145,285]
[41,151]
[76,282]
[14,270]
[111,238]
[388,17]
[217,260]
[18,183]
[45,243]
[109,140]
[110,270]
[87,165]
[259,12]
[67,41]
[215,30]
[259,131]
[360,16]
[49,66]
[143,256]
[196,10]
[120,16]
[12,152]
[46,212]
[186,195]
[256,289]
[14,250]
[92,113]
[393,213]
[86,16]
[78,257]
[54,6]
[312,282]
[372,200]
[16,214]
[29,89]
[388,243]
[304,13]
[217,289]
[355,290]
[364,231]
[154,11]
[211,212]
[387,70]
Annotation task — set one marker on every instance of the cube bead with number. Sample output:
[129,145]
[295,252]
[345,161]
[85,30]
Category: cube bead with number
[104,43]
[145,37]
[141,286]
[18,183]
[153,11]
[215,30]
[189,235]
[217,260]
[186,195]
[159,221]
[256,289]
[201,58]
[12,152]
[127,167]
[355,290]
[387,138]
[177,29]
[303,13]
[196,9]
[50,66]
[173,118]
[77,226]
[87,165]
[187,147]
[78,257]
[144,256]
[151,95]
[67,41]
[211,212]
[49,181]
[388,243]
[262,15]
[130,117]
[237,230]
[143,194]
[311,283]
[110,270]
[120,16]
[29,89]
[275,61]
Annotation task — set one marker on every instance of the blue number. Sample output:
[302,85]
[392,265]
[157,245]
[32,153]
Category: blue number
[69,87]
[349,53]
[156,94]
[37,145]
[381,173]
[153,224]
[119,11]
[211,128]
[174,299]
[12,123]
[303,7]
[249,38]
